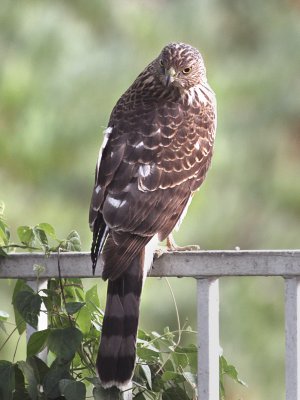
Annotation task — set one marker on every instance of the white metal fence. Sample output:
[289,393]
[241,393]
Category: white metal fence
[207,267]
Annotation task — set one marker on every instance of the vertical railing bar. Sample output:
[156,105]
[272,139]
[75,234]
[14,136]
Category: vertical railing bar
[292,338]
[37,285]
[208,338]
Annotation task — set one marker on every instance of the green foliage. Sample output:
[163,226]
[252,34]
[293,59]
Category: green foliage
[165,369]
[37,342]
[20,322]
[40,237]
[64,66]
[7,380]
[28,305]
[64,342]
[230,371]
[72,390]
[4,231]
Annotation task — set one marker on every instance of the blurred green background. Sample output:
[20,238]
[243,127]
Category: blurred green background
[64,64]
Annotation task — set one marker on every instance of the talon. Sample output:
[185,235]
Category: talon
[158,253]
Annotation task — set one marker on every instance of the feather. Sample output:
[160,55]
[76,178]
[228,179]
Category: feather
[157,152]
[116,355]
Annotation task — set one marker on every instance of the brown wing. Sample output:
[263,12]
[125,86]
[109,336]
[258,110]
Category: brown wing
[156,156]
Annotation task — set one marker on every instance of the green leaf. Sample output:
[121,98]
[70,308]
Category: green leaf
[144,336]
[54,375]
[180,359]
[147,354]
[53,299]
[92,298]
[26,235]
[147,372]
[223,364]
[79,292]
[72,390]
[73,307]
[2,208]
[48,229]
[4,233]
[168,334]
[191,378]
[190,349]
[3,315]
[169,366]
[3,252]
[39,367]
[175,393]
[37,342]
[74,290]
[148,345]
[30,379]
[7,380]
[28,305]
[172,376]
[20,392]
[21,325]
[94,380]
[222,391]
[40,236]
[64,342]
[191,352]
[72,242]
[158,385]
[140,396]
[230,370]
[84,320]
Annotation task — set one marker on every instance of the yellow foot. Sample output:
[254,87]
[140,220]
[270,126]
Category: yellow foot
[172,246]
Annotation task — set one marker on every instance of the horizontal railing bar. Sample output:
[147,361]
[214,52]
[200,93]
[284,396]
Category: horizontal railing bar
[178,264]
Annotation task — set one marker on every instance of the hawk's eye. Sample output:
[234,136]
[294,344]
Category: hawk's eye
[161,63]
[187,70]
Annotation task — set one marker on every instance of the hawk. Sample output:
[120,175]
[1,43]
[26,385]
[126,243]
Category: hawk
[155,154]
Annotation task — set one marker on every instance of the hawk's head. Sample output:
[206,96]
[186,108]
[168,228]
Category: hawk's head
[180,65]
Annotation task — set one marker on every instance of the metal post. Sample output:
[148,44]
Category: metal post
[208,338]
[43,319]
[292,338]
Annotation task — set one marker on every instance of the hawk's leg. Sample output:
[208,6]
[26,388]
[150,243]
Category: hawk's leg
[172,246]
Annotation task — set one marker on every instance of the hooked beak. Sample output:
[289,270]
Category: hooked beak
[170,75]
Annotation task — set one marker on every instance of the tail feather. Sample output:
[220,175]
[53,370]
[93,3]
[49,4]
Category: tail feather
[117,351]
[100,232]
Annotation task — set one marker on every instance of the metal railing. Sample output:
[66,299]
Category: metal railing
[207,267]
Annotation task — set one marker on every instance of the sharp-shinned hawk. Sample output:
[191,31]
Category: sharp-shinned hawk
[155,155]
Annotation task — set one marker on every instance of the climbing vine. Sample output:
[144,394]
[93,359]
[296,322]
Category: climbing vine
[165,368]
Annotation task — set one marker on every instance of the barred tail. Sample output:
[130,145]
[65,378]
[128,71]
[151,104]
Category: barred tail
[117,351]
